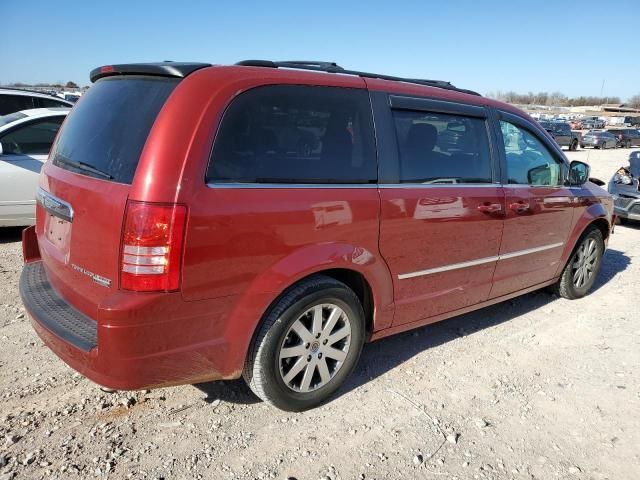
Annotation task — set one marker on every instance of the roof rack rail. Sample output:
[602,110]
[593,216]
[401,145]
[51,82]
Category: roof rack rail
[332,67]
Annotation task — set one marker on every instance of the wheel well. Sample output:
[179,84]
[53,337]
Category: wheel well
[603,226]
[356,282]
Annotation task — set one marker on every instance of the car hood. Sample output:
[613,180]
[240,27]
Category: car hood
[627,185]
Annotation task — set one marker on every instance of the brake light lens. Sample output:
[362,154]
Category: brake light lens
[152,242]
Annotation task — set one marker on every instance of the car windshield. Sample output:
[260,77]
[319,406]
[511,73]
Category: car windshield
[12,117]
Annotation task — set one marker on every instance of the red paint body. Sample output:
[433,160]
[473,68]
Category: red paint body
[243,247]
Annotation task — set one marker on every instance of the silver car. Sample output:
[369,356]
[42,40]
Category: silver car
[599,139]
[625,189]
[25,141]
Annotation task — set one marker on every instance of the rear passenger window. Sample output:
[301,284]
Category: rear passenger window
[295,134]
[442,148]
[47,103]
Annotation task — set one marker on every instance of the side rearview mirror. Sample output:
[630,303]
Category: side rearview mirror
[578,173]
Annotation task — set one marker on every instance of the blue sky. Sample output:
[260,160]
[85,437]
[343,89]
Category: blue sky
[486,46]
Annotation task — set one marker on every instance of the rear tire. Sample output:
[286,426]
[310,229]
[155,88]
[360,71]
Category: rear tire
[301,354]
[574,146]
[581,270]
[623,220]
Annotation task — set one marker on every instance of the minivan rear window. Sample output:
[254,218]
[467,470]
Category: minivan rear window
[296,134]
[105,132]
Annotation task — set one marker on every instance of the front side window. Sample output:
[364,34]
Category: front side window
[295,134]
[442,148]
[529,162]
[34,138]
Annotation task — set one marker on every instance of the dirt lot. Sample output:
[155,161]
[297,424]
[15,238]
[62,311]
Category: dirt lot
[537,387]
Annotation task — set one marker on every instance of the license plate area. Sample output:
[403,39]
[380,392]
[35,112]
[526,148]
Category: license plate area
[58,232]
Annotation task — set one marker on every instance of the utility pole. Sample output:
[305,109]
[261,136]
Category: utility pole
[602,92]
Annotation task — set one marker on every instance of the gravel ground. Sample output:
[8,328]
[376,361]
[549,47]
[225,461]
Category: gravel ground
[537,387]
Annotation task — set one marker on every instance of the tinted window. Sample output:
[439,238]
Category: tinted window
[528,160]
[109,128]
[563,129]
[442,148]
[50,103]
[14,103]
[296,134]
[34,138]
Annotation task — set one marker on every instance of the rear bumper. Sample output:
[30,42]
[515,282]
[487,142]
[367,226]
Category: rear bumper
[56,315]
[138,341]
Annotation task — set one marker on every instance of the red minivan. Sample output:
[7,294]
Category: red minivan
[265,219]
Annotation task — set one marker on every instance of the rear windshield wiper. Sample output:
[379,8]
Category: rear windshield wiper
[85,167]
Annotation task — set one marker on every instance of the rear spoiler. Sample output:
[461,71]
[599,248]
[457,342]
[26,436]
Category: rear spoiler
[160,69]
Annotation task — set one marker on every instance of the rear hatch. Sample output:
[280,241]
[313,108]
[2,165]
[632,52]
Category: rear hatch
[86,182]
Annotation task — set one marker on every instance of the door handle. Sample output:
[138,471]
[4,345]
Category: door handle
[488,207]
[519,206]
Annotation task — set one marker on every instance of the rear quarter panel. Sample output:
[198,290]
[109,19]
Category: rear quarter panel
[253,243]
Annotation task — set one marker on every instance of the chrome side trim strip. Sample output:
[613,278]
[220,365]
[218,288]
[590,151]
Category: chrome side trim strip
[446,268]
[55,206]
[479,261]
[351,185]
[527,251]
[292,185]
[438,185]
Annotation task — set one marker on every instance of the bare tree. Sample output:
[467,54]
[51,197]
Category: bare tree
[634,101]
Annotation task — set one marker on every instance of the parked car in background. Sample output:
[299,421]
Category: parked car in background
[625,189]
[598,139]
[593,124]
[562,134]
[181,238]
[632,121]
[14,100]
[626,137]
[575,124]
[25,141]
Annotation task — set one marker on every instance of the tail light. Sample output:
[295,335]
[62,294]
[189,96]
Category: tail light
[152,242]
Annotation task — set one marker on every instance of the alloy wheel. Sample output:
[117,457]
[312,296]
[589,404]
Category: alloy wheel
[315,348]
[585,262]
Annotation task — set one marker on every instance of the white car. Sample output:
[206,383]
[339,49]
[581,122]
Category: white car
[15,100]
[25,141]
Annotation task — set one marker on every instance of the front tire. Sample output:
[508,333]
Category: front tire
[308,343]
[581,270]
